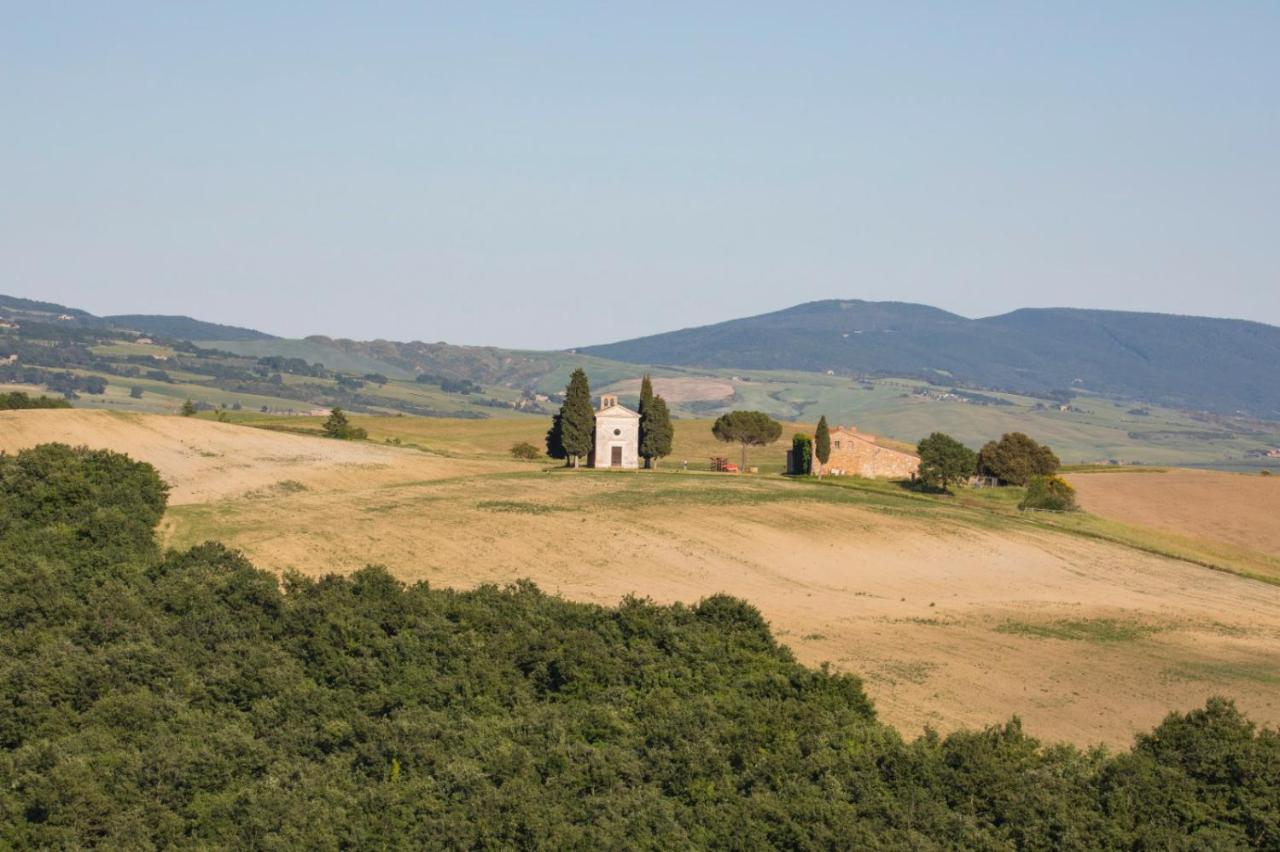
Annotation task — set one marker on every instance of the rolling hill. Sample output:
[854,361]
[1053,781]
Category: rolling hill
[185,328]
[176,327]
[1220,365]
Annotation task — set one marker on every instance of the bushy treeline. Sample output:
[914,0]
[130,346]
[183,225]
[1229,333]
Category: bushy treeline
[154,699]
[17,400]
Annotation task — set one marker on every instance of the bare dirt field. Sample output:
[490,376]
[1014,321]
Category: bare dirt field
[203,460]
[953,617]
[1234,508]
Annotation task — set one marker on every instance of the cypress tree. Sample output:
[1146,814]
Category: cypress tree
[822,443]
[555,440]
[646,392]
[801,455]
[657,432]
[646,415]
[577,418]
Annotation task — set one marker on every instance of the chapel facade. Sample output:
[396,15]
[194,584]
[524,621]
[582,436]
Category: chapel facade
[617,437]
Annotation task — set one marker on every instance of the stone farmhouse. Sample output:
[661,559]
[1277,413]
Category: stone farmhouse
[617,438]
[855,453]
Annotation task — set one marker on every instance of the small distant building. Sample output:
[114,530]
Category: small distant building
[145,341]
[1274,454]
[855,453]
[617,439]
[65,317]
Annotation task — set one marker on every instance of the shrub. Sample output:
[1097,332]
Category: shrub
[19,400]
[525,451]
[1049,492]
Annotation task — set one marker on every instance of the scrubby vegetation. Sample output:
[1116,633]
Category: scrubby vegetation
[188,699]
[1049,492]
[525,451]
[17,400]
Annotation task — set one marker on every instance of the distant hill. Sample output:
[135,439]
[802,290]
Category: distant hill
[1187,362]
[32,310]
[175,327]
[185,328]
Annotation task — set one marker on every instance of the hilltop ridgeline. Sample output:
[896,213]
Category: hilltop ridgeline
[1220,365]
[1224,366]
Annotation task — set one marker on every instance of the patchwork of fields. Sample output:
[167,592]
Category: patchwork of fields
[957,611]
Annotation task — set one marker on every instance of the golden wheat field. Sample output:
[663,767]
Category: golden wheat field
[954,612]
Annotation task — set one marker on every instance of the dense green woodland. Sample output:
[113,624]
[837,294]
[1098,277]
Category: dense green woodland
[187,699]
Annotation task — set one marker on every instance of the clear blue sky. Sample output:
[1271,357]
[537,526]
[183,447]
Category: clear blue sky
[549,175]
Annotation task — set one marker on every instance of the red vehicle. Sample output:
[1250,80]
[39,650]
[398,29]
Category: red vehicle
[720,464]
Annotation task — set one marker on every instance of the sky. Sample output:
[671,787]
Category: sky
[552,175]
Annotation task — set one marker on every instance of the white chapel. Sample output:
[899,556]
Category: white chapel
[617,441]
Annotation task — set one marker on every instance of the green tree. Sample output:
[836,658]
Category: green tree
[135,392]
[338,426]
[801,454]
[748,428]
[646,404]
[577,419]
[555,438]
[656,432]
[822,443]
[155,699]
[944,460]
[188,409]
[1016,458]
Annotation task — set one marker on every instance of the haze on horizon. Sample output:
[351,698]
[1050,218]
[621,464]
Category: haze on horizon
[566,175]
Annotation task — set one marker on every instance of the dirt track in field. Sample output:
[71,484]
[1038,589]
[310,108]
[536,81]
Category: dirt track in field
[1234,508]
[950,623]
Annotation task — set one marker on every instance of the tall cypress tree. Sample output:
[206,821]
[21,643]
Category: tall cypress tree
[658,432]
[822,443]
[555,440]
[577,418]
[646,414]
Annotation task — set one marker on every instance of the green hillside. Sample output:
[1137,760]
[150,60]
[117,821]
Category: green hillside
[100,365]
[184,328]
[1221,365]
